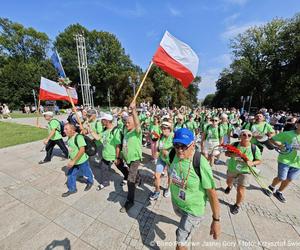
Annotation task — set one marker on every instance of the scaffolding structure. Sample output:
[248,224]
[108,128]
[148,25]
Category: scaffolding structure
[86,90]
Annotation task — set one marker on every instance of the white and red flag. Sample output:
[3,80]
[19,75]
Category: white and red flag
[177,59]
[52,91]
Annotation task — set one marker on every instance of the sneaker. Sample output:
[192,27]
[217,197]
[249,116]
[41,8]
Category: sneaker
[234,209]
[166,193]
[126,206]
[154,196]
[66,194]
[43,162]
[227,190]
[268,191]
[101,186]
[280,196]
[88,186]
[123,183]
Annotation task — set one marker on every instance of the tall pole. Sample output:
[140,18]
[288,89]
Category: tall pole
[249,109]
[87,95]
[33,92]
[108,96]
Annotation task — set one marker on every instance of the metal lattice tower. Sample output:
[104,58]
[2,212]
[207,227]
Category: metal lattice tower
[87,94]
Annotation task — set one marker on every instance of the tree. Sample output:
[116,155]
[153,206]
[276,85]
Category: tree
[208,100]
[22,62]
[266,65]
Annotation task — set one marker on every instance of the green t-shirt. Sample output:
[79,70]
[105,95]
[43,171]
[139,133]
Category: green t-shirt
[73,149]
[293,158]
[120,124]
[54,124]
[261,128]
[225,129]
[212,133]
[195,194]
[191,125]
[132,146]
[110,139]
[97,127]
[155,131]
[165,143]
[237,165]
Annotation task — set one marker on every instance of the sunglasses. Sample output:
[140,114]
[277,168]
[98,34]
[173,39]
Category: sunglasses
[247,135]
[214,120]
[163,128]
[181,146]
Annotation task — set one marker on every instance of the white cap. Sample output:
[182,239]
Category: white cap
[49,113]
[107,117]
[224,115]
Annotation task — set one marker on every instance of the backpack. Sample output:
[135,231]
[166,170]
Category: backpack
[253,149]
[90,148]
[196,161]
[61,129]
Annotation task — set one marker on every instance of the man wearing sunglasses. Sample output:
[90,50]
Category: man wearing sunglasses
[239,169]
[259,129]
[211,137]
[190,189]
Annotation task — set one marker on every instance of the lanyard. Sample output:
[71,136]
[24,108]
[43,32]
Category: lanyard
[184,182]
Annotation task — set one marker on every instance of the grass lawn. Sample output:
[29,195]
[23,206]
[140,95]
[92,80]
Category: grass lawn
[23,115]
[14,134]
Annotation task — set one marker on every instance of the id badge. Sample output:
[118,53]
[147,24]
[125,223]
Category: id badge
[238,167]
[181,194]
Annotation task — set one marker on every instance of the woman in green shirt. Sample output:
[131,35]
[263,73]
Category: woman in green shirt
[165,144]
[155,132]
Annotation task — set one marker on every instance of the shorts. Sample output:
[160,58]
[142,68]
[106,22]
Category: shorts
[209,146]
[186,226]
[243,179]
[287,172]
[160,165]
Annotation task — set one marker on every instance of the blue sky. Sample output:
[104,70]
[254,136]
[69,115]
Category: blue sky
[207,26]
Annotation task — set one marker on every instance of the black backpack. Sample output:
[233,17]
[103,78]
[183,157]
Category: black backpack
[90,148]
[253,149]
[61,129]
[196,161]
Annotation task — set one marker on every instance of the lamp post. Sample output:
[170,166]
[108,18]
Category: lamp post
[93,92]
[135,83]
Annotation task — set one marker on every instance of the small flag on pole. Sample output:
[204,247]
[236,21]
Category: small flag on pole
[56,61]
[177,59]
[52,91]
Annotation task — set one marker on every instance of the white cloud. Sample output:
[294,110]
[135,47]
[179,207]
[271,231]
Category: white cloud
[152,34]
[223,60]
[174,12]
[230,20]
[234,30]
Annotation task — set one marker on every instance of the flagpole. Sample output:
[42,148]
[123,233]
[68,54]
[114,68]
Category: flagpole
[141,85]
[74,108]
[38,113]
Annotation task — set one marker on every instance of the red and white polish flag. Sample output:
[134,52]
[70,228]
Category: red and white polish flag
[177,59]
[52,91]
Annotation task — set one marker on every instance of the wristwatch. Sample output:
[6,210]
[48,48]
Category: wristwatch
[214,219]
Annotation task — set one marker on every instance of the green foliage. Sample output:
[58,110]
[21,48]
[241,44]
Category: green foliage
[266,64]
[208,100]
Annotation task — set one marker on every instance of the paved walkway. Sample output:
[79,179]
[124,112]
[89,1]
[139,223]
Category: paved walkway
[33,215]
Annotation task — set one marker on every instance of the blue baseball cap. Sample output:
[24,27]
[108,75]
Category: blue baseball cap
[183,136]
